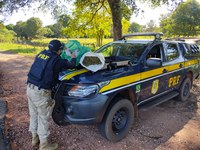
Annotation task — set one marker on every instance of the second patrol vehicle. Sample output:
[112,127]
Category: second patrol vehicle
[138,74]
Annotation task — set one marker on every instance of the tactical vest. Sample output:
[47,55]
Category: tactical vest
[41,73]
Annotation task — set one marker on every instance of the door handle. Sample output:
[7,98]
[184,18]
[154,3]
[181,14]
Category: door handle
[181,65]
[165,71]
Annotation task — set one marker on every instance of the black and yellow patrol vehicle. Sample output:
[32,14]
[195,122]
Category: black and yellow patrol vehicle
[138,74]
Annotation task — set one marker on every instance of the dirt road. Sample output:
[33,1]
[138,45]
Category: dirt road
[172,125]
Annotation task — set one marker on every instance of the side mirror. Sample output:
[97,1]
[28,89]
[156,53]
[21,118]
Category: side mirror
[154,62]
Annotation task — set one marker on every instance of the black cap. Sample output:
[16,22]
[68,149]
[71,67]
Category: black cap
[55,45]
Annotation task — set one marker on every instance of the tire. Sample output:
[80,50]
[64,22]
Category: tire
[185,90]
[117,121]
[58,114]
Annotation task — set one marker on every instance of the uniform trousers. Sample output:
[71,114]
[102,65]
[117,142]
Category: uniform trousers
[40,106]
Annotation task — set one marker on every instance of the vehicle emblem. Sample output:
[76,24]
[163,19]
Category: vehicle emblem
[154,88]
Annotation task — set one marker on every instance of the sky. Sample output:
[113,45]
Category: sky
[149,14]
[47,19]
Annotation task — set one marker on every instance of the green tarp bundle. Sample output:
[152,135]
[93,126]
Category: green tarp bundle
[74,46]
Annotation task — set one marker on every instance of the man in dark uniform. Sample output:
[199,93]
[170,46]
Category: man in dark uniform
[42,77]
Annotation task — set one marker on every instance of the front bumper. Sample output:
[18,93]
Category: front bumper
[73,110]
[85,111]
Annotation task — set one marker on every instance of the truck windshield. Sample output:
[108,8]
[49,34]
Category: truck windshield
[127,51]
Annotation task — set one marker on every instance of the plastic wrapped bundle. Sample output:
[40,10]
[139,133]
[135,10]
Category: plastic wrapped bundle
[88,60]
[92,61]
[73,46]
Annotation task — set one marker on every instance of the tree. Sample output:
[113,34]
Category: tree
[56,29]
[5,34]
[64,20]
[166,25]
[115,6]
[85,23]
[134,27]
[10,26]
[19,29]
[46,32]
[184,21]
[32,26]
[150,27]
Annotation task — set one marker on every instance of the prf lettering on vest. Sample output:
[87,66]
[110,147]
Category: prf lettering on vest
[174,80]
[42,56]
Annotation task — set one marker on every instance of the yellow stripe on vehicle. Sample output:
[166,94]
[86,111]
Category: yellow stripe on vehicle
[141,76]
[191,62]
[121,82]
[131,79]
[67,77]
[152,73]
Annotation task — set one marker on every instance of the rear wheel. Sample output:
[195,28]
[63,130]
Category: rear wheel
[117,121]
[185,90]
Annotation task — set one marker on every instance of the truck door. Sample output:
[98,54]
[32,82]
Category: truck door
[154,80]
[174,63]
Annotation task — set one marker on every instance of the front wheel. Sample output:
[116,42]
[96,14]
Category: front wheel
[117,121]
[185,90]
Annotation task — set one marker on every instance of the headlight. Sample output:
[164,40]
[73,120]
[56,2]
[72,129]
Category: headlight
[86,90]
[83,90]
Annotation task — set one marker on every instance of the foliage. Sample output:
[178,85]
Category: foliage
[117,8]
[28,29]
[32,27]
[166,26]
[19,29]
[150,27]
[56,29]
[44,32]
[64,20]
[10,26]
[5,34]
[125,26]
[184,21]
[85,23]
[134,27]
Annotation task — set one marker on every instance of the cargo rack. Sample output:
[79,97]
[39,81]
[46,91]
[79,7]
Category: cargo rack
[184,39]
[156,35]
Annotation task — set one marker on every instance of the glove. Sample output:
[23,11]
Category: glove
[76,52]
[68,52]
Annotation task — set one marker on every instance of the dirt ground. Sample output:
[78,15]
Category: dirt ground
[173,125]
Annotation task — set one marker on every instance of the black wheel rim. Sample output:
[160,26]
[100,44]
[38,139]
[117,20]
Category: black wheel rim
[186,89]
[119,121]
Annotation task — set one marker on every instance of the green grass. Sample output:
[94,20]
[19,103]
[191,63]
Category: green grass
[83,41]
[35,46]
[22,49]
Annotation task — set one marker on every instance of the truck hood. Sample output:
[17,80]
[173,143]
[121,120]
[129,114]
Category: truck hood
[86,76]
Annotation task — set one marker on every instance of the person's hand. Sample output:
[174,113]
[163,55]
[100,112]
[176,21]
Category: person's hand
[67,51]
[73,55]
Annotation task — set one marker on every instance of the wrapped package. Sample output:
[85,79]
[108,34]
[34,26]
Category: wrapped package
[73,46]
[92,61]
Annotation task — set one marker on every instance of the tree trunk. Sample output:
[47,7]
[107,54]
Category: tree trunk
[116,18]
[99,37]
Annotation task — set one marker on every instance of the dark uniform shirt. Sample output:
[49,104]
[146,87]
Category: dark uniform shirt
[45,69]
[61,65]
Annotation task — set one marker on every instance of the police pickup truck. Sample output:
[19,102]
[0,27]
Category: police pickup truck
[152,72]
